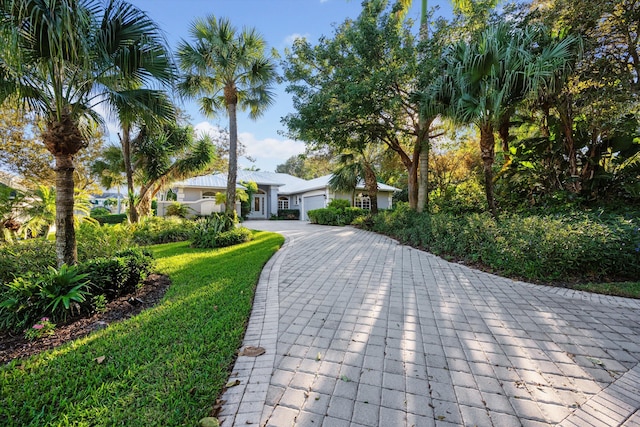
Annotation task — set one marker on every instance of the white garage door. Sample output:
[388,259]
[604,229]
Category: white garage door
[311,203]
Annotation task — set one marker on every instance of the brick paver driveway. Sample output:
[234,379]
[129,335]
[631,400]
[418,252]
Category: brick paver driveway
[362,331]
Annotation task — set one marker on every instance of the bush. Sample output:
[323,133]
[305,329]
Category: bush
[288,214]
[101,241]
[576,246]
[218,230]
[100,211]
[335,216]
[21,257]
[110,218]
[339,204]
[155,230]
[178,209]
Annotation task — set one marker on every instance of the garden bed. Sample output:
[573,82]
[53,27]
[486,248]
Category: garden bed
[152,291]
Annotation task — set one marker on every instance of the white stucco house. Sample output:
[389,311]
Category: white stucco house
[275,191]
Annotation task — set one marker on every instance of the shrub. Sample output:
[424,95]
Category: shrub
[154,230]
[101,241]
[178,209]
[575,246]
[63,290]
[339,204]
[21,257]
[218,230]
[110,218]
[335,216]
[99,211]
[288,214]
[233,237]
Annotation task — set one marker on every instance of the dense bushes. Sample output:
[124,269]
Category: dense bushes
[338,212]
[156,230]
[288,214]
[110,218]
[218,230]
[579,246]
[69,290]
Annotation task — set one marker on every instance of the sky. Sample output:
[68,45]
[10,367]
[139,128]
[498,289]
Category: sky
[279,22]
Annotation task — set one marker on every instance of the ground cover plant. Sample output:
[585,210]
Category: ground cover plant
[338,212]
[570,247]
[162,367]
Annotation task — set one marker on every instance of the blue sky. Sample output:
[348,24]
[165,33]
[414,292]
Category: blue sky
[279,22]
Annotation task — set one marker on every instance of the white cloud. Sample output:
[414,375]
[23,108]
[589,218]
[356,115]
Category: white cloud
[267,152]
[295,36]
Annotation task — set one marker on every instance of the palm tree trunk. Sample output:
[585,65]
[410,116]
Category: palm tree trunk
[125,140]
[423,161]
[487,150]
[66,248]
[230,205]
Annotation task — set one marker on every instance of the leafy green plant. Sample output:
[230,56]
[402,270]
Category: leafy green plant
[111,218]
[335,216]
[99,303]
[64,286]
[155,230]
[40,329]
[20,303]
[232,237]
[339,204]
[100,211]
[208,229]
[178,209]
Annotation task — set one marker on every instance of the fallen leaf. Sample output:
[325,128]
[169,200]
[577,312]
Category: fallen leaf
[345,378]
[252,351]
[595,361]
[209,422]
[100,359]
[318,357]
[232,383]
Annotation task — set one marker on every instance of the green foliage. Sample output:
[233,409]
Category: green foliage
[101,241]
[178,209]
[288,214]
[40,329]
[155,230]
[110,218]
[579,246]
[335,216]
[100,211]
[217,230]
[169,359]
[339,204]
[65,286]
[21,257]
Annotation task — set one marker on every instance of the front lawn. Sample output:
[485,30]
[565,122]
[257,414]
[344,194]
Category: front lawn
[164,367]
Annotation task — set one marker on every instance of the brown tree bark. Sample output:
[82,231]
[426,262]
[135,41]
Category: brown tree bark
[487,151]
[231,98]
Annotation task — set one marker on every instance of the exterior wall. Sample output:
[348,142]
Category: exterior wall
[385,200]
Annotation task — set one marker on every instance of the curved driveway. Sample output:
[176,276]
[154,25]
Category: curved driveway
[362,331]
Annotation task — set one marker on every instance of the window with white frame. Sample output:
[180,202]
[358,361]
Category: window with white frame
[362,201]
[283,203]
[208,194]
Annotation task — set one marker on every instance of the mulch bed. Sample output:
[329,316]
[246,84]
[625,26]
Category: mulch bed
[17,347]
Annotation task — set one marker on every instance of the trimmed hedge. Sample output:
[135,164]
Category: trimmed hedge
[288,214]
[110,219]
[335,216]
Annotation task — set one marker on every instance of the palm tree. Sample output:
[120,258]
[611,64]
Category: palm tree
[64,57]
[227,70]
[354,167]
[485,79]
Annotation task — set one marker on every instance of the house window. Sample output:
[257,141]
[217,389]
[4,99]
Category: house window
[283,203]
[362,202]
[208,194]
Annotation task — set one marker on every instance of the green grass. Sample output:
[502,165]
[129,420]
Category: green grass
[164,367]
[622,289]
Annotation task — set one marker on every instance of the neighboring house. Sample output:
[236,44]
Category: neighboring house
[276,191]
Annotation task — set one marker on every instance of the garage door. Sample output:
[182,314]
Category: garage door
[311,203]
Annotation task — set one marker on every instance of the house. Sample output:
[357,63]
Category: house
[276,191]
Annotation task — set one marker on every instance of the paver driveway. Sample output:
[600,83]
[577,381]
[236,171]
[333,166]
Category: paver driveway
[362,331]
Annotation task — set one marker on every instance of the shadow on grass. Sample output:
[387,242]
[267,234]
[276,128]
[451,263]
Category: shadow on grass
[163,367]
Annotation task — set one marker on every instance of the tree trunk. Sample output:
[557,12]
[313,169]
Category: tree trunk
[503,131]
[66,247]
[423,161]
[487,150]
[231,98]
[125,140]
[371,184]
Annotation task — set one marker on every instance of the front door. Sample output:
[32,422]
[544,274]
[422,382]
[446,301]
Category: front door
[258,206]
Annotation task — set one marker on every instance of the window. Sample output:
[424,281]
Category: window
[283,203]
[362,201]
[208,194]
